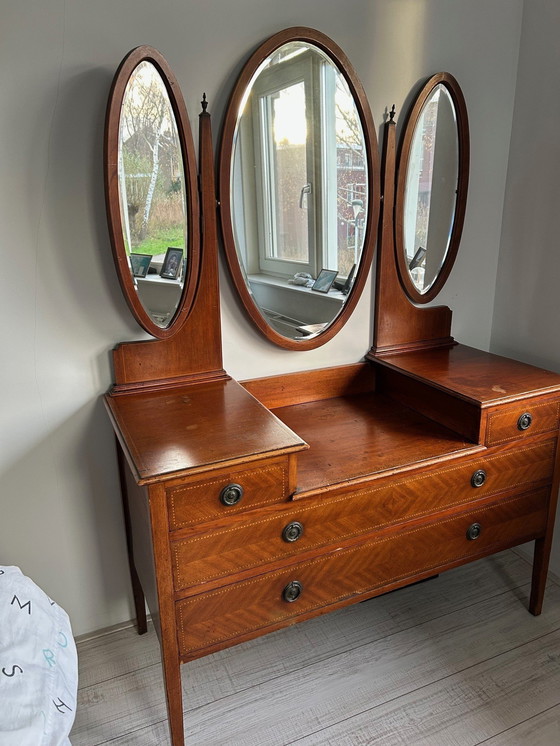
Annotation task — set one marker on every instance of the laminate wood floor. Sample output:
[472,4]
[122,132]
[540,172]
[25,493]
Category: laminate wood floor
[454,661]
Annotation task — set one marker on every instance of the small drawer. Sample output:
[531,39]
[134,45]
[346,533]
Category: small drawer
[285,530]
[222,493]
[240,611]
[525,418]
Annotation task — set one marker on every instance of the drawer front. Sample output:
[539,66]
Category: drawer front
[222,493]
[241,610]
[525,418]
[274,534]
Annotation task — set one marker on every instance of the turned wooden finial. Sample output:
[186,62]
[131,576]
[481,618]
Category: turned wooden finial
[204,102]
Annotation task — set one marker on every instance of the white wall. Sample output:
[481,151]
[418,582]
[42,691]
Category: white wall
[527,309]
[59,297]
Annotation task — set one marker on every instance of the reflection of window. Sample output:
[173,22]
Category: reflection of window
[307,147]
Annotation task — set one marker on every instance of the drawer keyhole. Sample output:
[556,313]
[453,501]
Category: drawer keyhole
[474,531]
[524,422]
[292,591]
[231,494]
[293,531]
[478,478]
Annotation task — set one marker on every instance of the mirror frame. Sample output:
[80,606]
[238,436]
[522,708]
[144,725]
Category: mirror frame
[454,90]
[111,145]
[338,57]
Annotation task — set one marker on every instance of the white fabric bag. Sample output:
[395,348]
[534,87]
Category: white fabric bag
[38,665]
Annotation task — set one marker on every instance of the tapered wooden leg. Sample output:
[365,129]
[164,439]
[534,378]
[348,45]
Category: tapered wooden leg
[174,697]
[137,591]
[540,572]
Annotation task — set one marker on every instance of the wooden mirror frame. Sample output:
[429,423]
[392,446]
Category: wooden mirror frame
[192,213]
[454,90]
[338,57]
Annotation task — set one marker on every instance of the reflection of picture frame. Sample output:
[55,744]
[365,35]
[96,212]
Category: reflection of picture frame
[349,281]
[324,280]
[171,267]
[140,263]
[418,258]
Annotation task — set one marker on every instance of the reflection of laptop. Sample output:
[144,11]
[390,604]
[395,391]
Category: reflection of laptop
[418,258]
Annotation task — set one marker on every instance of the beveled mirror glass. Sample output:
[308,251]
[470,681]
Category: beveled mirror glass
[151,192]
[432,187]
[299,188]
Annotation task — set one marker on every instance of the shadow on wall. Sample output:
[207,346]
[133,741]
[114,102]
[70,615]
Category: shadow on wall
[77,259]
[65,519]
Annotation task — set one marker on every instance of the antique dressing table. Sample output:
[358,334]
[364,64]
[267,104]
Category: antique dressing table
[251,506]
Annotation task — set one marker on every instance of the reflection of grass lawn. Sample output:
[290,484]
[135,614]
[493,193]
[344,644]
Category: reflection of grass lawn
[160,242]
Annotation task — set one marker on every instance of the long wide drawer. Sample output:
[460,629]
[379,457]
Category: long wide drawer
[292,528]
[237,612]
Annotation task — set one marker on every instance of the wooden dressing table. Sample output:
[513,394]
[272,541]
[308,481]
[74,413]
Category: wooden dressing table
[253,506]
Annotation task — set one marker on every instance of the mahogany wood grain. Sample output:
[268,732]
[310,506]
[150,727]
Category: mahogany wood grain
[166,603]
[343,65]
[503,423]
[463,417]
[217,619]
[405,151]
[197,500]
[354,437]
[170,432]
[398,324]
[192,353]
[473,375]
[232,546]
[543,545]
[312,385]
[138,593]
[140,536]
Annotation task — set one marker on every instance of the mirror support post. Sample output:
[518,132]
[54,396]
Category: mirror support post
[399,326]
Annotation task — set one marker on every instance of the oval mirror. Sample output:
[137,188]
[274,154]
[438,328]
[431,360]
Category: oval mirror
[432,185]
[299,190]
[151,192]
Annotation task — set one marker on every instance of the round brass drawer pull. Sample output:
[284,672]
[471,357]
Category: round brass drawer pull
[524,422]
[478,478]
[231,494]
[292,591]
[293,531]
[474,531]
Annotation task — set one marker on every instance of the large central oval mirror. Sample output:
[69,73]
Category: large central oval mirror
[432,187]
[299,188]
[151,192]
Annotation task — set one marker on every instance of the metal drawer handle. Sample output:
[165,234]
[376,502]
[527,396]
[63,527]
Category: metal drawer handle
[231,494]
[478,478]
[293,531]
[474,531]
[524,422]
[292,591]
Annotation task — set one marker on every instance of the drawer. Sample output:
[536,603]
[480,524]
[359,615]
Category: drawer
[227,492]
[240,611]
[284,531]
[523,419]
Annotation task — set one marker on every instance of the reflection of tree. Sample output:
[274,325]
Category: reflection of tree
[351,177]
[150,153]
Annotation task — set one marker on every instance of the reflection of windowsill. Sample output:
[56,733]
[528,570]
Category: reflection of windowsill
[157,278]
[334,296]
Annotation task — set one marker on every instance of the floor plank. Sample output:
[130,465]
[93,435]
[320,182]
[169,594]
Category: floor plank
[326,680]
[464,709]
[372,674]
[541,730]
